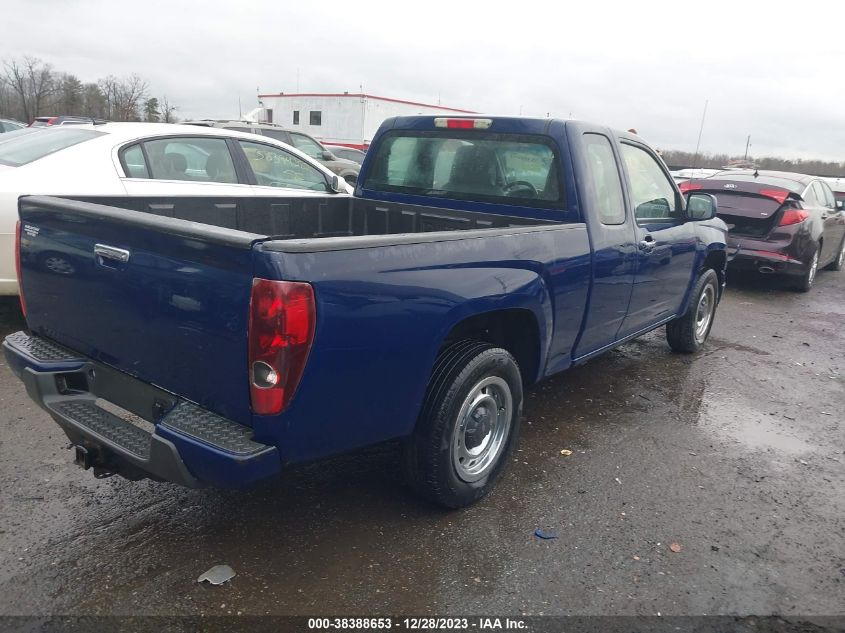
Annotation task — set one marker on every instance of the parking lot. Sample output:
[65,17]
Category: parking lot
[735,455]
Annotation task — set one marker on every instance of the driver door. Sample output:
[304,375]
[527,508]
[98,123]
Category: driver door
[665,242]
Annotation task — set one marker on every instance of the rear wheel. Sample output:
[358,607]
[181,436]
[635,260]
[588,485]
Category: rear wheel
[805,282]
[839,262]
[687,333]
[468,424]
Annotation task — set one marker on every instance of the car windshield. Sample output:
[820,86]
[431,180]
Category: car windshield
[26,148]
[469,166]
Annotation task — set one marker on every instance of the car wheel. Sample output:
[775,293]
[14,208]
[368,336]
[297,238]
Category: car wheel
[468,424]
[805,282]
[839,262]
[688,333]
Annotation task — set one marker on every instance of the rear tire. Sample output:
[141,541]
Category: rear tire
[688,333]
[839,262]
[468,424]
[806,281]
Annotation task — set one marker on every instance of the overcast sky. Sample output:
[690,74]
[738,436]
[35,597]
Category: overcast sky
[773,72]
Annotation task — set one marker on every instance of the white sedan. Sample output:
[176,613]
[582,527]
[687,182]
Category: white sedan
[147,160]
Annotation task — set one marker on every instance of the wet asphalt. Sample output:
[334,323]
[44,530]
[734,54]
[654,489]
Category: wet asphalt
[736,455]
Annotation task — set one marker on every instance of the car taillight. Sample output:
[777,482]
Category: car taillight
[793,216]
[281,328]
[689,186]
[18,266]
[780,195]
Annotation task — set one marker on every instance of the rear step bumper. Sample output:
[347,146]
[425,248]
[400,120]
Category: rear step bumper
[188,445]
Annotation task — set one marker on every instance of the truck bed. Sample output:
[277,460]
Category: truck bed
[313,217]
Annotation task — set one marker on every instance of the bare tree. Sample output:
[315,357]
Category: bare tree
[108,90]
[32,81]
[129,95]
[167,112]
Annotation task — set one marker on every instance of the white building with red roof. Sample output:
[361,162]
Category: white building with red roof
[349,119]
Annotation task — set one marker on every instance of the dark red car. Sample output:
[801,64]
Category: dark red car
[782,223]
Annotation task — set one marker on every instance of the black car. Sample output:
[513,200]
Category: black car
[780,222]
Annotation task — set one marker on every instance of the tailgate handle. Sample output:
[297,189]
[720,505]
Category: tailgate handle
[110,252]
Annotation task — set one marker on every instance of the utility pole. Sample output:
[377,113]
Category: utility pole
[747,145]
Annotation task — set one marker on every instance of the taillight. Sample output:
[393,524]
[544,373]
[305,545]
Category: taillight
[464,124]
[18,266]
[775,194]
[793,216]
[281,328]
[689,186]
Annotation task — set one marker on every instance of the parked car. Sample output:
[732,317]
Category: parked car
[47,121]
[780,222]
[148,161]
[346,169]
[348,153]
[837,185]
[419,308]
[9,125]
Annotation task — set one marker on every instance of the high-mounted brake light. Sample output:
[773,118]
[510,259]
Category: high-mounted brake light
[18,266]
[281,329]
[793,216]
[464,124]
[689,186]
[779,195]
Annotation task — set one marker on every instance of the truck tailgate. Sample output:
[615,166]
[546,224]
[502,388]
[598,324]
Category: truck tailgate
[161,299]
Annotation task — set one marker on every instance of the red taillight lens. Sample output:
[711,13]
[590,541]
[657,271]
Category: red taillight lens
[689,186]
[281,328]
[18,266]
[793,216]
[775,194]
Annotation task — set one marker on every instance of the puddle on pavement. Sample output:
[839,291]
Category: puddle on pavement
[754,428]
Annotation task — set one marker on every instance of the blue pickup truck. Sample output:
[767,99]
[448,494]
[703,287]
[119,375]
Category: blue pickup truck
[477,256]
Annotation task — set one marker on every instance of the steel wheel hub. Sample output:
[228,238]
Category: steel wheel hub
[704,313]
[482,429]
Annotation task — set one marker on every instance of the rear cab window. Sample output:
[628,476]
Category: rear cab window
[27,148]
[488,167]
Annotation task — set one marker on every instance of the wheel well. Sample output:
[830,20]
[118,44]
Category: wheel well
[515,330]
[717,260]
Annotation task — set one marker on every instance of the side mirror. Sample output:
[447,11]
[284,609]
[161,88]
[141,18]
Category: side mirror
[701,206]
[338,185]
[327,155]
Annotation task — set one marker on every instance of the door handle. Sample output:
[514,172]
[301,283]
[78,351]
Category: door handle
[647,244]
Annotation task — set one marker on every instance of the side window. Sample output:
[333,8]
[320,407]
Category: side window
[604,178]
[307,145]
[274,167]
[828,195]
[809,196]
[822,194]
[134,163]
[193,159]
[248,130]
[652,193]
